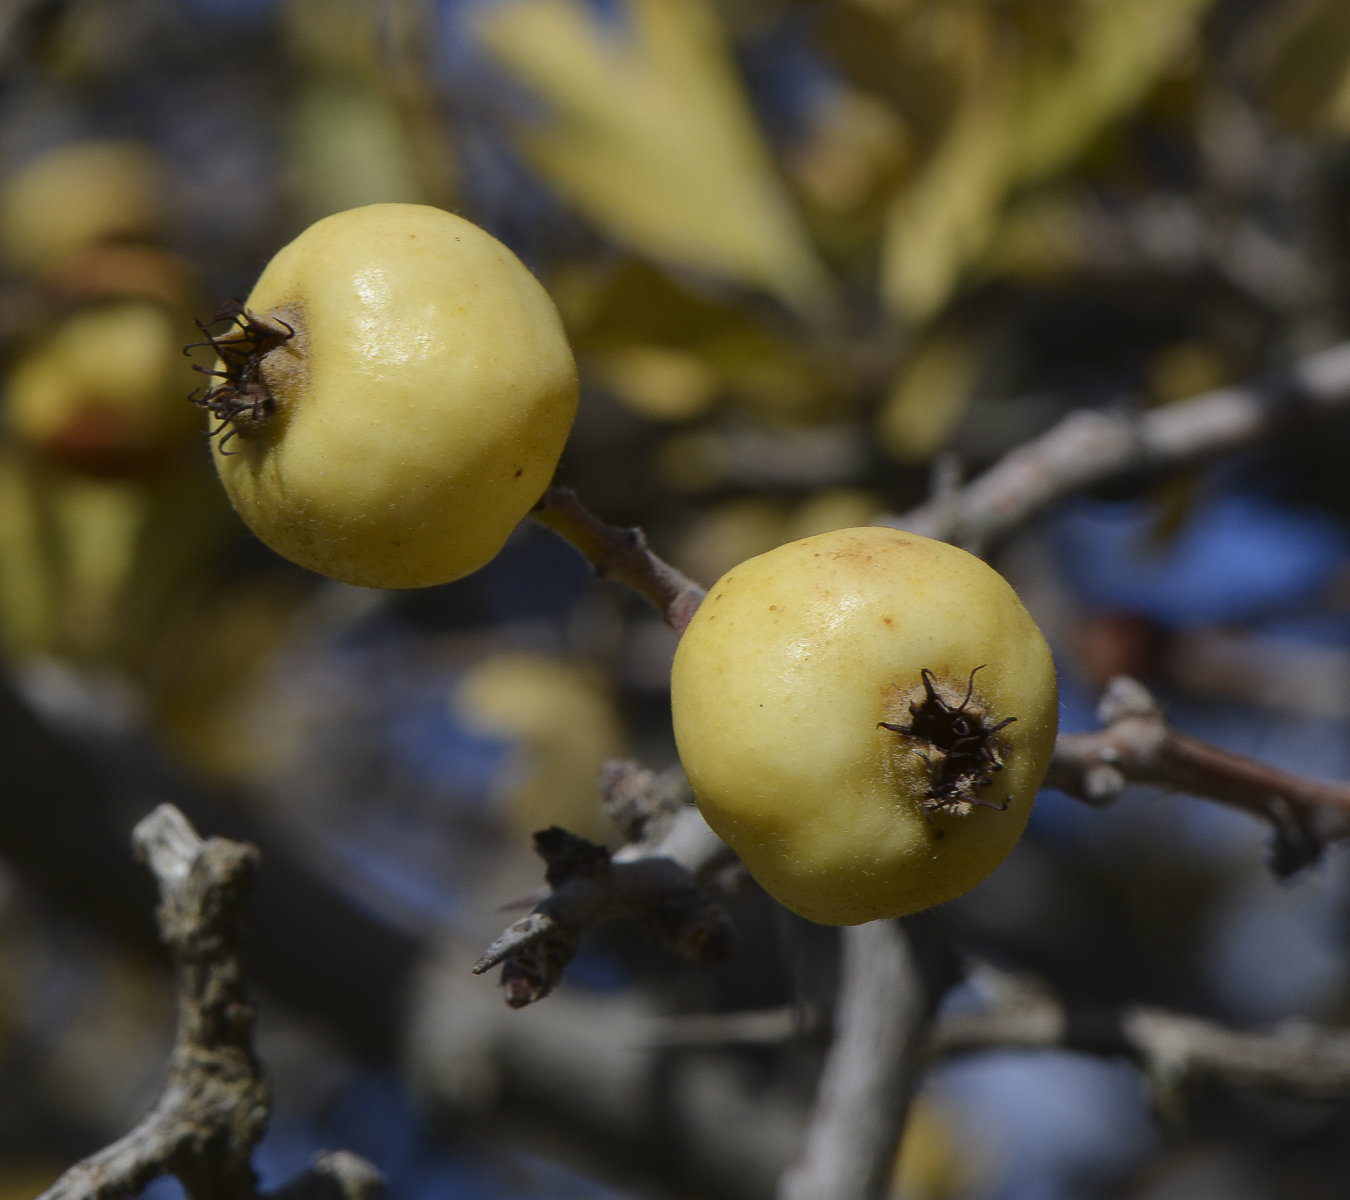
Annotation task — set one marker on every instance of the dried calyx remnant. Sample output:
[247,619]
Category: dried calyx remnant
[240,399]
[963,752]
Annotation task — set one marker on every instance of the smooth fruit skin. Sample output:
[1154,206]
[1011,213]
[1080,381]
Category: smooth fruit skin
[421,406]
[778,688]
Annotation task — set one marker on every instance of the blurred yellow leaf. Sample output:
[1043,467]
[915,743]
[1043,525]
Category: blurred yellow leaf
[1028,107]
[368,120]
[78,195]
[652,137]
[1117,51]
[831,509]
[658,382]
[695,461]
[1039,237]
[1185,369]
[24,1178]
[936,1160]
[728,534]
[207,666]
[1307,78]
[27,582]
[941,222]
[98,525]
[855,143]
[928,398]
[666,351]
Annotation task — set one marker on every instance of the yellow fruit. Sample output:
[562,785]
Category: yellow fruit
[562,721]
[78,195]
[400,392]
[819,697]
[102,394]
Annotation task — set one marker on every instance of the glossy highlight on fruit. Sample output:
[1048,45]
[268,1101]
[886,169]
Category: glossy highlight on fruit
[865,717]
[396,399]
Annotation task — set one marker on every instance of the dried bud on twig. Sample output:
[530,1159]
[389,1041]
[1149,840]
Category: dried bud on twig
[589,886]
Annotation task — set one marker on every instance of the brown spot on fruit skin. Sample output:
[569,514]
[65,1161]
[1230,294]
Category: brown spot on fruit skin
[888,620]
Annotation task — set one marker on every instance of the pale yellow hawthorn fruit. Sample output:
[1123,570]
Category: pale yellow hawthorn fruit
[562,721]
[782,690]
[102,393]
[77,195]
[416,413]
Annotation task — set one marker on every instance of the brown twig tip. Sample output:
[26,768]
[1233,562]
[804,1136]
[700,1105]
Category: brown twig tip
[621,555]
[517,939]
[588,886]
[1138,745]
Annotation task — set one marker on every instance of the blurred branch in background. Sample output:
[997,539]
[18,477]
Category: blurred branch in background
[310,945]
[889,990]
[215,1105]
[1089,447]
[1174,1051]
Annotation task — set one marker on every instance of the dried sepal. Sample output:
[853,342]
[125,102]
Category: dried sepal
[240,399]
[963,754]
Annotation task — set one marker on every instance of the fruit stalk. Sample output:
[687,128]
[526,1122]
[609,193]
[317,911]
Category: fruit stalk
[621,555]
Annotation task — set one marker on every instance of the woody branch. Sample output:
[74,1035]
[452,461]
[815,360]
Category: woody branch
[1089,447]
[1175,1051]
[1138,745]
[214,1106]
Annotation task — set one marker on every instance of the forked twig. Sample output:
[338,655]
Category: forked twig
[215,1104]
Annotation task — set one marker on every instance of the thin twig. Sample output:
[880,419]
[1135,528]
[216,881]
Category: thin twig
[1174,1050]
[1089,447]
[215,1103]
[1138,745]
[621,555]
